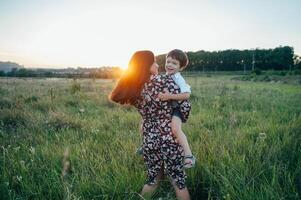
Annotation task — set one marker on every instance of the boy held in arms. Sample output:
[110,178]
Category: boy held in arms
[177,61]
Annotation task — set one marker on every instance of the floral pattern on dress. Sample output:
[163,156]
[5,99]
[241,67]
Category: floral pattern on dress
[159,144]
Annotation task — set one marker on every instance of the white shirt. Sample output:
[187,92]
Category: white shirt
[180,81]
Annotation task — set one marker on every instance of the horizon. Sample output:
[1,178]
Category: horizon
[104,66]
[61,34]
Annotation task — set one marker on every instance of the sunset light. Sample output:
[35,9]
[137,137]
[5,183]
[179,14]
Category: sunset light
[101,33]
[150,99]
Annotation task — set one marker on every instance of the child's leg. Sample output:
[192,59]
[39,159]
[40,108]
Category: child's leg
[176,125]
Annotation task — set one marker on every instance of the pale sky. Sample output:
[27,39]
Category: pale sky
[87,33]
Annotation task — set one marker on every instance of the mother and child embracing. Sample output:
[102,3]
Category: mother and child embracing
[162,101]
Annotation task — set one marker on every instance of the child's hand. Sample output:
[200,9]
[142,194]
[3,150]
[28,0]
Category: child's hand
[164,96]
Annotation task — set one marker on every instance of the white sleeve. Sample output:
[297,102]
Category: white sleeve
[184,87]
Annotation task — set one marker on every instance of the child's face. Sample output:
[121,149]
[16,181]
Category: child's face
[154,68]
[172,65]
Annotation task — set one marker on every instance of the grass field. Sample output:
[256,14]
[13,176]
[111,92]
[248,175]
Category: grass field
[62,139]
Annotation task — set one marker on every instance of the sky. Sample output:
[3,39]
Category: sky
[90,33]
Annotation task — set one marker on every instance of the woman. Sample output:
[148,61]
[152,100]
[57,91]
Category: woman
[161,152]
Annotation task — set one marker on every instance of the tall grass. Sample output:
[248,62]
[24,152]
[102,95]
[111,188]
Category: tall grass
[246,136]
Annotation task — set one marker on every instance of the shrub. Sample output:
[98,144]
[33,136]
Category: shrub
[266,78]
[297,72]
[5,103]
[283,73]
[72,103]
[12,118]
[75,87]
[256,71]
[59,120]
[31,99]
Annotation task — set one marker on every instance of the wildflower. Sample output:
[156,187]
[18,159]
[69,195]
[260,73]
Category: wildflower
[32,150]
[17,148]
[19,178]
[22,162]
[227,196]
[262,136]
[95,131]
[81,110]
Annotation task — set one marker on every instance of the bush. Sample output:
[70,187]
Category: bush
[256,71]
[6,103]
[235,88]
[266,78]
[31,99]
[246,78]
[12,118]
[283,73]
[72,103]
[59,120]
[75,87]
[297,72]
[43,106]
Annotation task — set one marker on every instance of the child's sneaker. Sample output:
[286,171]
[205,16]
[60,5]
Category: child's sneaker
[139,150]
[189,162]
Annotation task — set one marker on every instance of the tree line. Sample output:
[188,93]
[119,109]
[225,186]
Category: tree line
[103,72]
[280,58]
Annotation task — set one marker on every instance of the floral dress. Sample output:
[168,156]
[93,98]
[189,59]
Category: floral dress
[160,147]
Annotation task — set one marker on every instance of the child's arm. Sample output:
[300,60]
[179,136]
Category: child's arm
[184,88]
[169,96]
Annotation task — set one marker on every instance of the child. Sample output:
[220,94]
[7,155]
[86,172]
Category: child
[176,61]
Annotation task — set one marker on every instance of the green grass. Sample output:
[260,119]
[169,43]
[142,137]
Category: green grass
[246,137]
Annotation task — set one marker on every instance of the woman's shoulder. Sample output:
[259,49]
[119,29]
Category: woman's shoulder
[161,78]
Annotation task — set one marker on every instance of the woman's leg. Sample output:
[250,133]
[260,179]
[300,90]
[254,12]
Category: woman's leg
[149,189]
[182,194]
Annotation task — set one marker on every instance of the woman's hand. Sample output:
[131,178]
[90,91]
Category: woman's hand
[164,96]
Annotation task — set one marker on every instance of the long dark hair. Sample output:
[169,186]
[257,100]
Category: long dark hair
[129,87]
